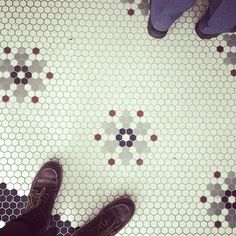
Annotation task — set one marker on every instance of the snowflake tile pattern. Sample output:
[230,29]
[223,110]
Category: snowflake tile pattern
[125,137]
[12,206]
[222,199]
[21,73]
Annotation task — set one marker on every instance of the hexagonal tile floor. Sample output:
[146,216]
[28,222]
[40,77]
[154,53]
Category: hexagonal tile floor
[83,82]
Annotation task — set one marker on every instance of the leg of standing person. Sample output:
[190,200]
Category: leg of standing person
[164,13]
[219,18]
[43,193]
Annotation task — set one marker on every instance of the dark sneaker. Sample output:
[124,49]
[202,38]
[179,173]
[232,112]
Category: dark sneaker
[154,32]
[45,188]
[110,220]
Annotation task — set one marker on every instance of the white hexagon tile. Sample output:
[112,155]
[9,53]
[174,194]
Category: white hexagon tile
[83,82]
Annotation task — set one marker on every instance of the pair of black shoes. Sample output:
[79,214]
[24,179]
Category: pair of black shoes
[44,191]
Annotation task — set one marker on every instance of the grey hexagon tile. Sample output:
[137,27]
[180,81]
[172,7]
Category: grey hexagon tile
[231,174]
[37,84]
[5,83]
[228,180]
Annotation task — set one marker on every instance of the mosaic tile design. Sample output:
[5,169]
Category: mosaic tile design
[127,135]
[222,199]
[19,70]
[94,63]
[12,205]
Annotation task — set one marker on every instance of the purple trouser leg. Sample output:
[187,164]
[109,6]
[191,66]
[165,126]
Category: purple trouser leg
[220,17]
[29,224]
[165,12]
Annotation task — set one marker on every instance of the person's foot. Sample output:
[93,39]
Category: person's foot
[210,36]
[154,32]
[45,188]
[202,35]
[110,220]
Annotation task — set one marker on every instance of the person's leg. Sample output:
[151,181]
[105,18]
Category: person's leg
[22,226]
[44,190]
[165,12]
[220,18]
[110,220]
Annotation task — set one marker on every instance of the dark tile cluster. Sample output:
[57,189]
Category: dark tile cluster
[64,227]
[128,132]
[12,205]
[226,199]
[17,70]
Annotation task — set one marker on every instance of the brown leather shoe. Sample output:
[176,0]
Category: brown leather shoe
[45,188]
[110,220]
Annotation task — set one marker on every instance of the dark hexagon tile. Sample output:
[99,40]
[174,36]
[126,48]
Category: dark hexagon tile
[203,199]
[129,131]
[218,224]
[139,162]
[131,12]
[111,161]
[118,137]
[220,49]
[129,143]
[3,186]
[7,50]
[132,137]
[122,131]
[234,193]
[98,137]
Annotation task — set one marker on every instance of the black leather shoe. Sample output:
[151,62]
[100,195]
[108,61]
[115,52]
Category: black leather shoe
[45,188]
[110,220]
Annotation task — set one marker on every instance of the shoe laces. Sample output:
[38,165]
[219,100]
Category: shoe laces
[36,197]
[106,228]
